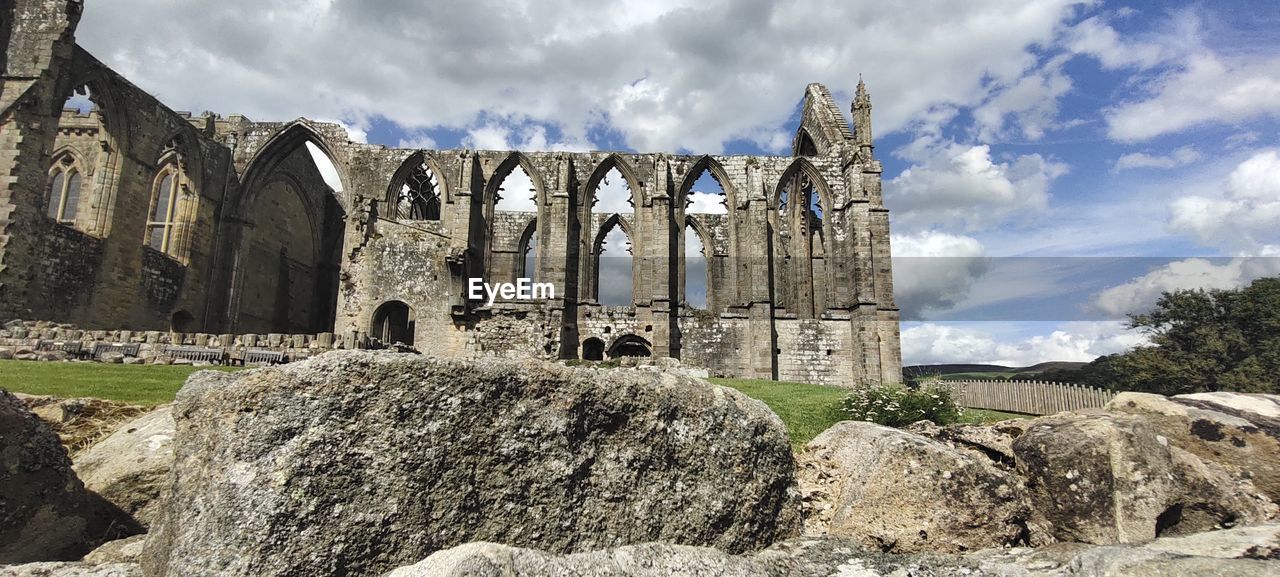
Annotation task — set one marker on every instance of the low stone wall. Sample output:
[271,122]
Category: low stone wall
[18,337]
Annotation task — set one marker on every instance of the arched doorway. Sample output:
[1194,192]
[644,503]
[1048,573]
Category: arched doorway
[393,323]
[630,346]
[593,349]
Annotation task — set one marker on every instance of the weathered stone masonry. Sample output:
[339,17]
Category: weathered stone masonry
[223,225]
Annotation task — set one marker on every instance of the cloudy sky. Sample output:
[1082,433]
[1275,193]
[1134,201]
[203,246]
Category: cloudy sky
[1050,165]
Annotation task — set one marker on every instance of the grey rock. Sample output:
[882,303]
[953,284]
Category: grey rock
[45,512]
[1236,430]
[354,462]
[112,358]
[6,354]
[1099,477]
[1227,553]
[72,570]
[131,466]
[127,550]
[895,491]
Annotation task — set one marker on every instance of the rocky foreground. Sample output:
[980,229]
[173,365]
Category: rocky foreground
[360,463]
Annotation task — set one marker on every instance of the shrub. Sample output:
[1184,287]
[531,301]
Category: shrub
[896,405]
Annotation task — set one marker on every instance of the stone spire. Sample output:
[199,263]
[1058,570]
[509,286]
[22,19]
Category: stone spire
[862,115]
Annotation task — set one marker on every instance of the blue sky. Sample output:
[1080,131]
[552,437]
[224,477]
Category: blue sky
[1049,130]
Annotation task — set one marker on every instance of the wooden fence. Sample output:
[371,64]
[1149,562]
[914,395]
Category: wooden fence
[1028,397]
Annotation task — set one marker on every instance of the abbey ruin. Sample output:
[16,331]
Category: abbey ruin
[133,217]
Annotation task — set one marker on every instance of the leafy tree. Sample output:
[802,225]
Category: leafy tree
[1217,340]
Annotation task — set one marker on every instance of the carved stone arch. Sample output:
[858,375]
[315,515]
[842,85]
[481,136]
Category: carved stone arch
[709,164]
[630,345]
[76,156]
[501,173]
[614,219]
[522,249]
[708,241]
[819,184]
[277,148]
[610,162]
[401,177]
[804,144]
[178,146]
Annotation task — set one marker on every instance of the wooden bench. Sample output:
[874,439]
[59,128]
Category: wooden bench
[260,357]
[72,348]
[126,349]
[209,355]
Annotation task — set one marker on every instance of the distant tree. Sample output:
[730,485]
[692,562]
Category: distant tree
[1217,340]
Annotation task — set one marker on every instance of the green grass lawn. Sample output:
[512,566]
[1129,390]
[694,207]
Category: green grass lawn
[137,384]
[806,409]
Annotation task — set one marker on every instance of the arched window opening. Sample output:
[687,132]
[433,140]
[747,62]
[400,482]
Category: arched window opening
[613,273]
[613,194]
[64,190]
[419,197]
[528,258]
[630,346]
[516,192]
[706,196]
[393,323]
[695,269]
[805,145]
[798,245]
[593,349]
[181,322]
[166,194]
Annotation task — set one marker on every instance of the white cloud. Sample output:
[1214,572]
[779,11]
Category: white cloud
[680,74]
[1141,294]
[962,187]
[1178,158]
[1032,102]
[1096,38]
[1243,220]
[706,203]
[1207,89]
[934,270]
[935,343]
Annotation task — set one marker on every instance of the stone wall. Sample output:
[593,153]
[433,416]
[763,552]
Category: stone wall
[262,245]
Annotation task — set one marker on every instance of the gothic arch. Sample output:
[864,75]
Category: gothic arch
[411,162]
[614,219]
[522,250]
[820,185]
[278,148]
[804,145]
[501,173]
[588,197]
[709,164]
[401,177]
[708,245]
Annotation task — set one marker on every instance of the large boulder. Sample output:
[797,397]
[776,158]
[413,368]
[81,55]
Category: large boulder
[1237,430]
[353,463]
[892,490]
[45,512]
[1235,553]
[72,570]
[1099,477]
[131,465]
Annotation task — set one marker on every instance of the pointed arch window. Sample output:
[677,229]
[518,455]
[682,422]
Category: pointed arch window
[165,200]
[64,190]
[419,196]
